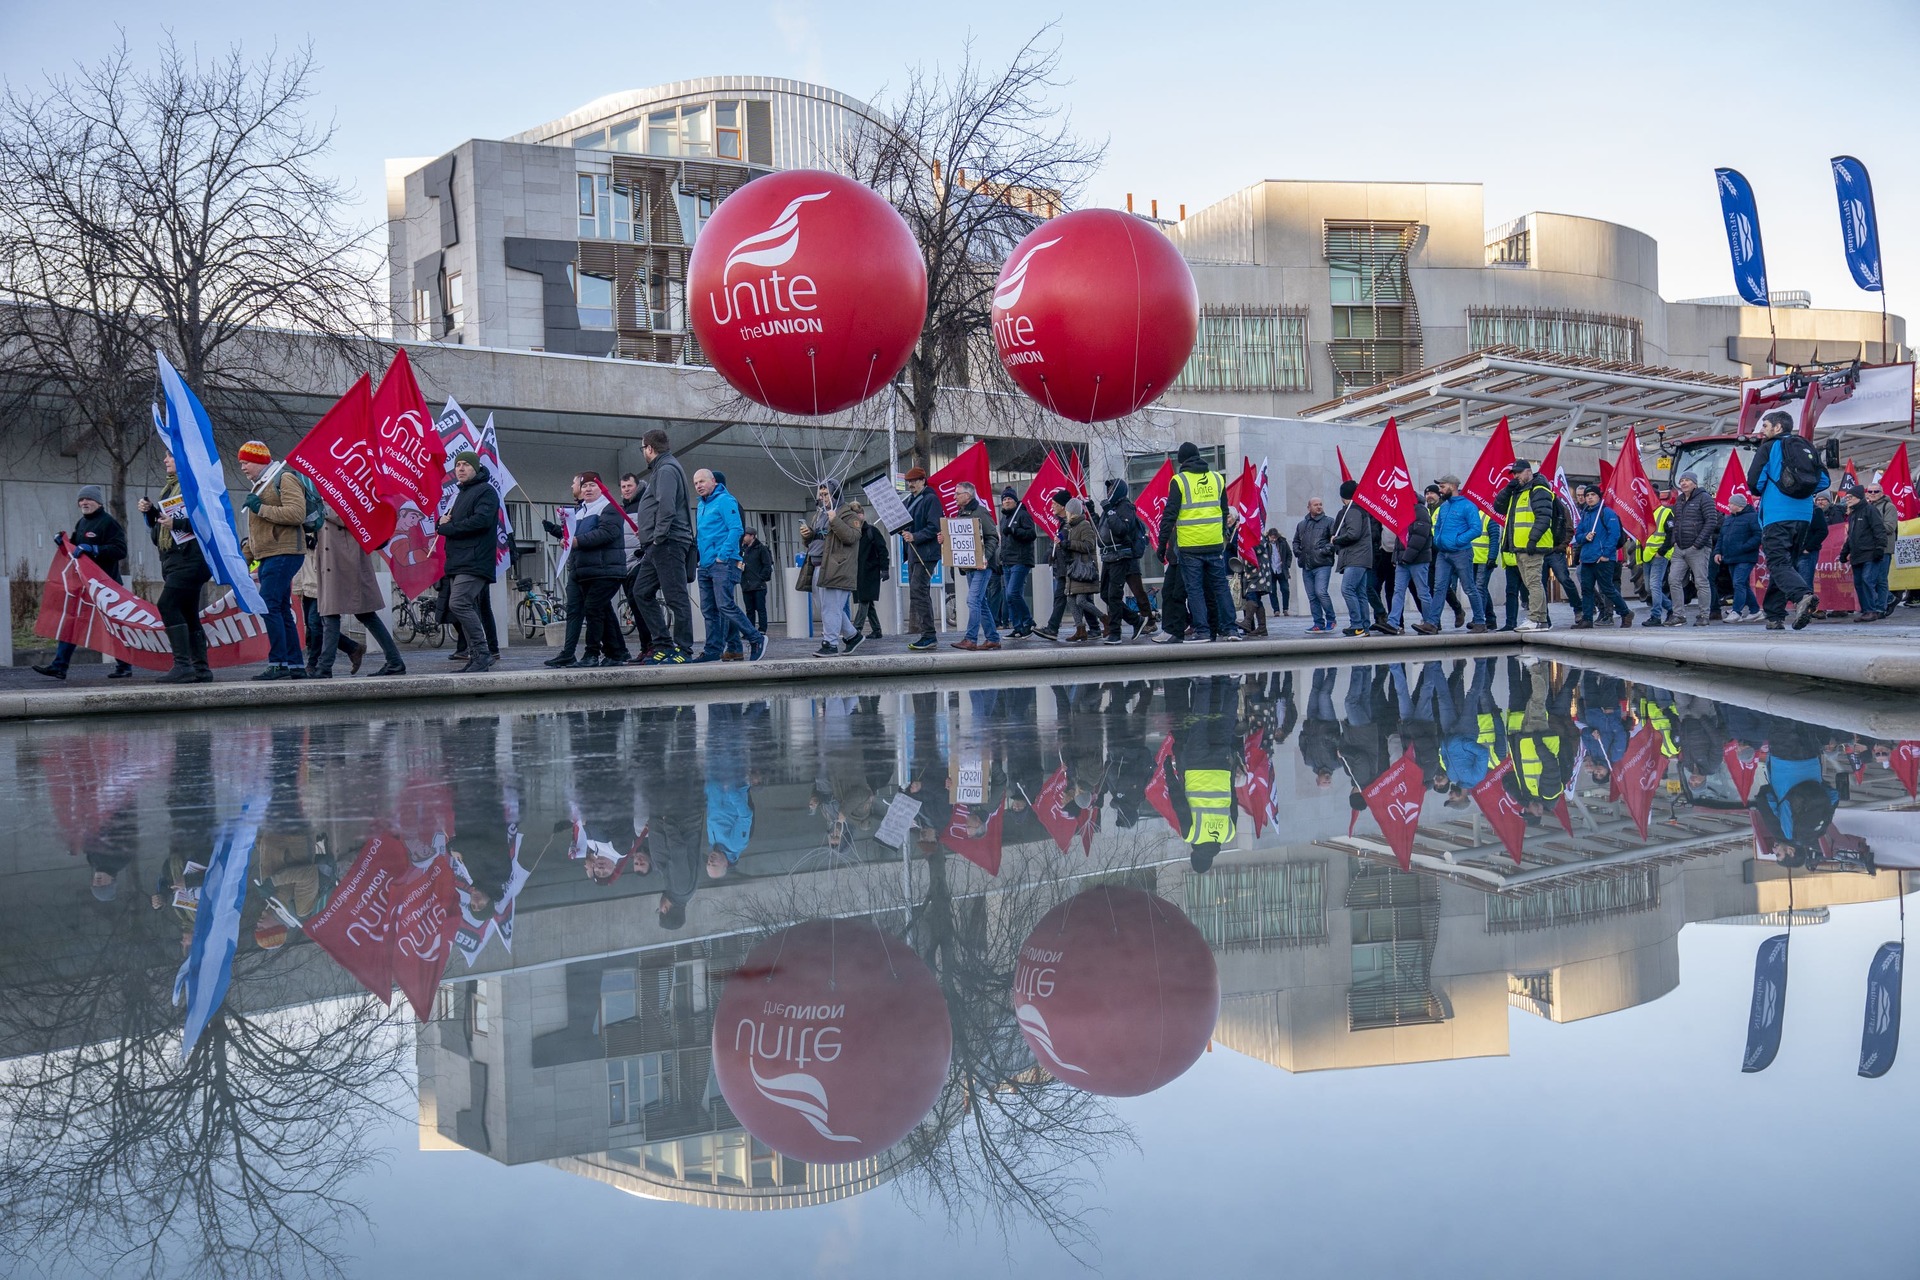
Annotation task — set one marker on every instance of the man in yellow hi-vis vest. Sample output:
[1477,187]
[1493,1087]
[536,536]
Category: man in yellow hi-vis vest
[1527,504]
[1653,556]
[1196,525]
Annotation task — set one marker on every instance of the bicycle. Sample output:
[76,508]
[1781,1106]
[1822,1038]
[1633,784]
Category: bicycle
[418,620]
[537,608]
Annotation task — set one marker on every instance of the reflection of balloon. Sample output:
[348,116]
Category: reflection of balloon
[832,1041]
[807,291]
[1095,314]
[1116,992]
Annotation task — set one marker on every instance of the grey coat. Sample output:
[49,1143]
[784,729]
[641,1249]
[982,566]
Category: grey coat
[665,510]
[1355,537]
[347,582]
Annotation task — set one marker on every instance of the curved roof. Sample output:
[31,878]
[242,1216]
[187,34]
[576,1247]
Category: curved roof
[617,105]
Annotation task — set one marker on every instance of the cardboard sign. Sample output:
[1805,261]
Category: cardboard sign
[964,545]
[889,508]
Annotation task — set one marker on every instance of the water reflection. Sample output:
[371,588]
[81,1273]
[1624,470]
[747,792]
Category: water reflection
[1317,868]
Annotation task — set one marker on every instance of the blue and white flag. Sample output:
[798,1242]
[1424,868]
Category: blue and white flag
[1743,236]
[1766,1018]
[202,981]
[1859,228]
[203,486]
[1880,1034]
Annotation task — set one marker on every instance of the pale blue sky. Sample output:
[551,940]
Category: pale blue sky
[1616,111]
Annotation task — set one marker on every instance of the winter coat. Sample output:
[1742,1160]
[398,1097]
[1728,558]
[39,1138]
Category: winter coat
[1355,535]
[923,534]
[1279,555]
[663,511]
[1170,514]
[1456,524]
[1696,521]
[1866,536]
[759,566]
[181,564]
[100,539]
[720,527]
[1597,536]
[1740,537]
[874,563]
[633,544]
[1081,541]
[989,532]
[1313,542]
[1763,479]
[1539,494]
[1017,533]
[345,573]
[840,566]
[470,532]
[1889,524]
[275,529]
[599,543]
[1819,520]
[1115,531]
[1417,547]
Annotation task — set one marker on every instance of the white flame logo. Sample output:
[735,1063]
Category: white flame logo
[1857,216]
[1744,229]
[1006,295]
[777,244]
[1036,1028]
[800,1092]
[1399,479]
[1883,1014]
[1770,1005]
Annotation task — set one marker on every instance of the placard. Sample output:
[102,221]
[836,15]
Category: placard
[897,826]
[889,509]
[963,547]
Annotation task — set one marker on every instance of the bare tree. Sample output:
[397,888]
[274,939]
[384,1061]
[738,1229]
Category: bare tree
[973,159]
[179,207]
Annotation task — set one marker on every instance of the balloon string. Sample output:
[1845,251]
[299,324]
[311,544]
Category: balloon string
[813,373]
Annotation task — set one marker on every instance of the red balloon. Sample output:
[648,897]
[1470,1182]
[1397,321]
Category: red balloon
[807,291]
[1116,992]
[1095,314]
[831,1041]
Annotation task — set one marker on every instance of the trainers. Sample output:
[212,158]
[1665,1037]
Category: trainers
[1163,637]
[1232,636]
[1477,628]
[826,650]
[1045,633]
[1673,620]
[757,650]
[1585,624]
[274,671]
[923,644]
[1116,639]
[848,646]
[1775,624]
[1531,625]
[1803,611]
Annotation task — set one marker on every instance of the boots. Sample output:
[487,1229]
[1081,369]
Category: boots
[197,648]
[182,671]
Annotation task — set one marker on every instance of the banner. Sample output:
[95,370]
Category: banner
[1733,480]
[202,981]
[1394,799]
[457,432]
[81,605]
[1386,491]
[421,925]
[1859,229]
[1038,499]
[1905,763]
[1742,218]
[981,849]
[203,487]
[352,927]
[1638,773]
[970,466]
[1050,807]
[1628,492]
[1768,1011]
[1880,1031]
[472,933]
[1490,471]
[1247,497]
[338,456]
[1741,771]
[1152,502]
[1255,795]
[409,454]
[1897,483]
[1156,793]
[1905,575]
[1555,475]
[1504,814]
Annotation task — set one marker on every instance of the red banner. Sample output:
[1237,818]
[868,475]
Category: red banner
[1733,480]
[1628,492]
[92,778]
[1157,795]
[1490,472]
[1152,502]
[1638,773]
[1503,812]
[1345,474]
[1039,496]
[424,918]
[1255,795]
[1394,799]
[414,557]
[1386,489]
[83,606]
[411,460]
[1740,770]
[1050,807]
[1247,496]
[1077,473]
[353,926]
[1905,763]
[970,466]
[983,849]
[338,456]
[1556,477]
[1897,483]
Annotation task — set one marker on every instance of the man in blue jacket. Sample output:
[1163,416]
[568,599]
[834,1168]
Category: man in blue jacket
[1596,540]
[717,531]
[1456,523]
[1738,549]
[1785,523]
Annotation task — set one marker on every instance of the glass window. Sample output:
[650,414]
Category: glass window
[619,997]
[594,295]
[1345,279]
[422,314]
[456,299]
[1249,349]
[586,195]
[624,136]
[726,115]
[663,133]
[482,1013]
[636,1084]
[695,138]
[1352,322]
[689,214]
[591,141]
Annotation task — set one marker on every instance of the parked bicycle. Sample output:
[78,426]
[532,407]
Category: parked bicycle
[537,608]
[418,620]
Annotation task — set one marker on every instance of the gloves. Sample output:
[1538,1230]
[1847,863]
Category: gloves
[252,503]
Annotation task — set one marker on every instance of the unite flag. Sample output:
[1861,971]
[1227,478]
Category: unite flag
[1490,471]
[1386,489]
[1859,228]
[1742,218]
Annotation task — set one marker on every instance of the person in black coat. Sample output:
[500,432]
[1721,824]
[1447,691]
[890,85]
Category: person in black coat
[1017,535]
[873,565]
[1411,556]
[470,536]
[98,537]
[1864,549]
[598,562]
[183,571]
[1739,549]
[756,571]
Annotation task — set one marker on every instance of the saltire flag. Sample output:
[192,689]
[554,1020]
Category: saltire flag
[1255,795]
[1490,472]
[338,456]
[982,850]
[408,452]
[1629,493]
[1157,793]
[1341,458]
[970,466]
[1859,228]
[1905,763]
[1897,483]
[1767,1012]
[1742,218]
[1741,771]
[203,487]
[1503,812]
[1394,799]
[1152,502]
[1733,480]
[1038,500]
[1386,489]
[1880,1032]
[201,983]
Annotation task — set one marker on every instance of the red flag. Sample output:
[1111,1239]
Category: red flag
[1386,489]
[1039,496]
[1153,500]
[407,449]
[1627,491]
[1248,500]
[1850,481]
[1345,475]
[1503,812]
[1050,808]
[1638,773]
[1490,472]
[1157,789]
[1077,472]
[338,456]
[1897,483]
[1556,476]
[1393,799]
[1255,795]
[1740,770]
[81,605]
[352,927]
[1560,812]
[1606,474]
[1733,480]
[982,850]
[424,918]
[970,466]
[1906,766]
[416,558]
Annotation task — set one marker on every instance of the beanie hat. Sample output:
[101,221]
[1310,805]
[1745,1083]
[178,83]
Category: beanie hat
[270,934]
[719,477]
[1061,497]
[1690,475]
[1348,488]
[1075,507]
[1009,493]
[1201,857]
[105,892]
[469,457]
[1189,451]
[255,451]
[93,493]
[917,473]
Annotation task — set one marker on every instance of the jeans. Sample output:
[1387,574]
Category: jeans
[1863,591]
[1882,594]
[576,616]
[1783,541]
[724,617]
[1019,611]
[1450,567]
[919,596]
[1657,587]
[464,606]
[1282,592]
[979,611]
[662,576]
[756,607]
[317,635]
[1742,574]
[1808,563]
[332,641]
[1409,577]
[1208,600]
[1601,579]
[835,624]
[997,596]
[276,588]
[1690,566]
[1319,599]
[1354,590]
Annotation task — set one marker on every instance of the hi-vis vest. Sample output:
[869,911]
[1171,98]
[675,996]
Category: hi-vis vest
[1198,524]
[1531,754]
[1210,799]
[1483,545]
[1486,736]
[1657,543]
[1657,716]
[1520,522]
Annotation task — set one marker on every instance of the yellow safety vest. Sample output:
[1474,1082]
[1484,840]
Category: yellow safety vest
[1210,800]
[1533,763]
[1486,736]
[1656,715]
[1198,524]
[1657,541]
[1483,545]
[1520,522]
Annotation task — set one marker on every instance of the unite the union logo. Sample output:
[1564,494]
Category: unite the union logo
[763,306]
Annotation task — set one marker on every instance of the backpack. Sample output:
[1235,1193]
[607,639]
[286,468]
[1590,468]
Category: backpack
[1799,468]
[1562,523]
[1139,542]
[316,508]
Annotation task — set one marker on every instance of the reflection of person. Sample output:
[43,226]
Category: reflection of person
[98,537]
[675,842]
[729,779]
[1795,806]
[1205,764]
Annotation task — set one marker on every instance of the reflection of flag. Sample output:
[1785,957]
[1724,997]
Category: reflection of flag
[1394,799]
[1490,472]
[983,850]
[1880,1032]
[353,926]
[424,918]
[202,981]
[1255,795]
[472,933]
[203,486]
[1740,770]
[1503,812]
[1157,794]
[1766,1015]
[1152,501]
[1050,808]
[1637,775]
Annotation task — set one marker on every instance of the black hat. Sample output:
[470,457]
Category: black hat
[1202,856]
[1520,464]
[1189,451]
[1348,488]
[1061,497]
[1009,493]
